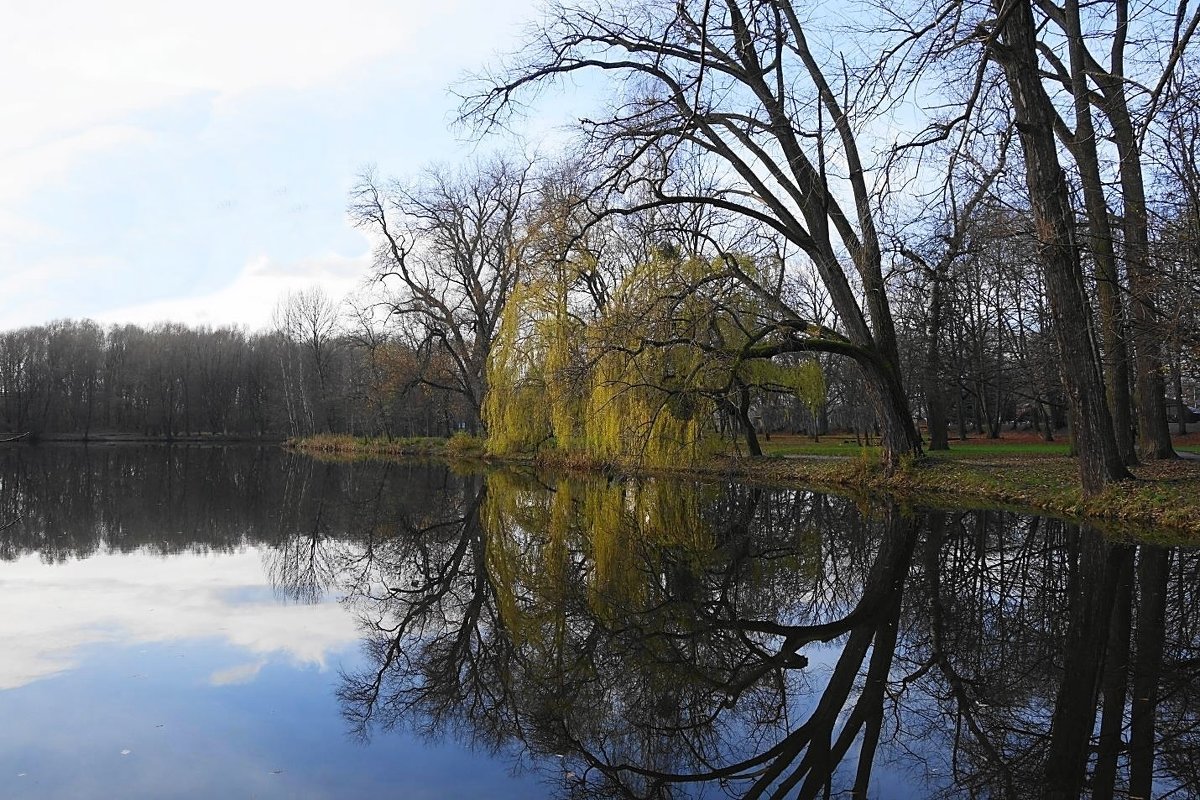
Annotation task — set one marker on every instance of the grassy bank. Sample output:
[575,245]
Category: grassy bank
[1162,502]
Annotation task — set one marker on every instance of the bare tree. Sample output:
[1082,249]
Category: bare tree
[309,319]
[452,245]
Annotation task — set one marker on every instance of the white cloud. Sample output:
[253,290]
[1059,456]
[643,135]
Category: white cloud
[78,70]
[29,168]
[77,65]
[76,62]
[54,611]
[250,298]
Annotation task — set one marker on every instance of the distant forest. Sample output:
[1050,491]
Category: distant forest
[315,373]
[81,380]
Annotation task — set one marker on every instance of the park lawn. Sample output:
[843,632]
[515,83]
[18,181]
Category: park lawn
[1011,445]
[971,448]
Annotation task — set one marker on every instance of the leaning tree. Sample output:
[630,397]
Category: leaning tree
[780,121]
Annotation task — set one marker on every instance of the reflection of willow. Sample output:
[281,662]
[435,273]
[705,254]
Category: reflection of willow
[649,633]
[657,637]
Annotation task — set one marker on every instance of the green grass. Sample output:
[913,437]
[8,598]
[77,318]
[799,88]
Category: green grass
[973,448]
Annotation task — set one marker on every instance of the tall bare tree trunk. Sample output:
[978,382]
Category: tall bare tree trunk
[1100,242]
[1100,460]
[935,392]
[1154,433]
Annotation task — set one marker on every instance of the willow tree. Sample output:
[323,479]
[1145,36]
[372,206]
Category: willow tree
[678,344]
[533,393]
[737,86]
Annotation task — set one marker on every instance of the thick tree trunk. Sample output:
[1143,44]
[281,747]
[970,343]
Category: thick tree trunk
[1100,243]
[898,436]
[1100,460]
[1154,434]
[743,415]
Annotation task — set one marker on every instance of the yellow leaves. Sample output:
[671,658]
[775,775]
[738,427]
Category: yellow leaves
[589,540]
[645,379]
[529,394]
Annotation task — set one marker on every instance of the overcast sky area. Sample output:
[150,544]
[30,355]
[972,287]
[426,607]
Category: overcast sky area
[191,162]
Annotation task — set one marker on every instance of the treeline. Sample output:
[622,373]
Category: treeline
[81,380]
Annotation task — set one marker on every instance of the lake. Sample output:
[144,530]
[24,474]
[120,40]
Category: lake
[246,622]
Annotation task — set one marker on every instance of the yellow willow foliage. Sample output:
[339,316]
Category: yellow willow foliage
[563,394]
[532,393]
[528,555]
[647,408]
[806,379]
[514,418]
[634,384]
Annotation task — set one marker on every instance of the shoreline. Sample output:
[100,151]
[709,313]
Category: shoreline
[1162,503]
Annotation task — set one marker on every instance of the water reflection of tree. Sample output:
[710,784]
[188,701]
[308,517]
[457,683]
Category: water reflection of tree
[1044,660]
[74,502]
[654,636]
[610,624]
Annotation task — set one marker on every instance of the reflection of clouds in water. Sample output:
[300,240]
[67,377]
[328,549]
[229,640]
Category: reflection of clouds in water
[242,673]
[52,611]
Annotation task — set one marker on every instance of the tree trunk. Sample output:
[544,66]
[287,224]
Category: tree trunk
[1154,434]
[1100,243]
[1181,411]
[743,415]
[935,393]
[898,436]
[1100,461]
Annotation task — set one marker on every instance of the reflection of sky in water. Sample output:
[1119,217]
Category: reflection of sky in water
[213,686]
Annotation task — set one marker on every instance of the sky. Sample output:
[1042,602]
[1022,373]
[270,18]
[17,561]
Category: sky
[192,162]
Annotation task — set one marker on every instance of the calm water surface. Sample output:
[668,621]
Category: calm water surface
[241,622]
